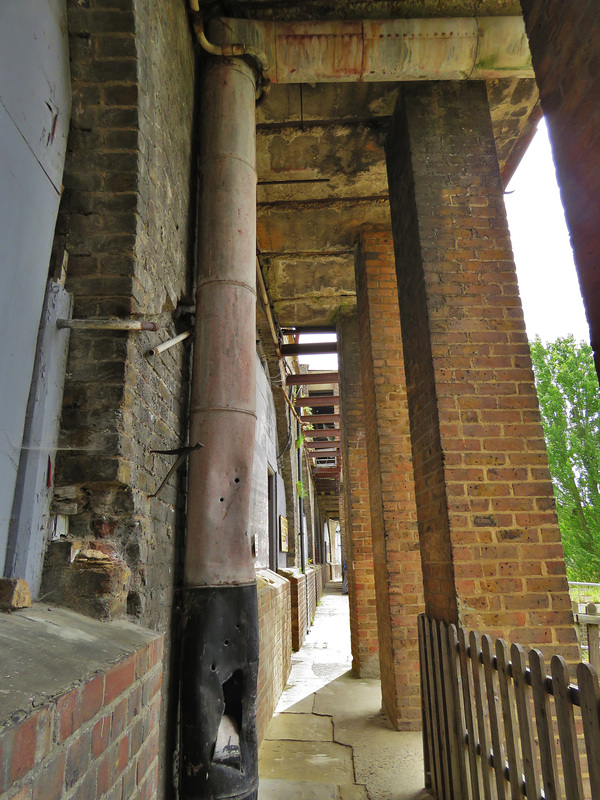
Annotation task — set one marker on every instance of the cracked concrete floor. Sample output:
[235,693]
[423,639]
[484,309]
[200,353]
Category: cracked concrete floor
[329,739]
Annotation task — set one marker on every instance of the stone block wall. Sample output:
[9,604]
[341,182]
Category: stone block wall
[99,740]
[564,39]
[275,629]
[127,224]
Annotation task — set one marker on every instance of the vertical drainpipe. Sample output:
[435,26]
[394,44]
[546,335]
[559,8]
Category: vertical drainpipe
[219,754]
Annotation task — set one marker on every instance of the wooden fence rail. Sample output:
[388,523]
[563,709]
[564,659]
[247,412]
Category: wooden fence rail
[496,726]
[589,627]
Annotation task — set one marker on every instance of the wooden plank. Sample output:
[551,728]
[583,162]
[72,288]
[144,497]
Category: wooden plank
[566,729]
[461,729]
[589,695]
[435,731]
[508,717]
[441,707]
[588,619]
[454,743]
[468,706]
[494,714]
[484,738]
[593,635]
[519,670]
[426,708]
[545,729]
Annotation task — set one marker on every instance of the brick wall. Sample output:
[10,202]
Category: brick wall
[275,628]
[312,584]
[489,537]
[305,592]
[564,39]
[355,486]
[298,598]
[397,558]
[98,740]
[127,223]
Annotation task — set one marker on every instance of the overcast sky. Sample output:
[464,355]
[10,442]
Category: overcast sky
[547,280]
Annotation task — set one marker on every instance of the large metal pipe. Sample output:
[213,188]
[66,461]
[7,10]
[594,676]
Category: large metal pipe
[458,48]
[220,638]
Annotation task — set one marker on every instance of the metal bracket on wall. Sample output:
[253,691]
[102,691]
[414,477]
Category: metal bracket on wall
[183,453]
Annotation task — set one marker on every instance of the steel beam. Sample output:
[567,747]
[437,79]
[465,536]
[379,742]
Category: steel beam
[320,418]
[312,379]
[317,402]
[308,349]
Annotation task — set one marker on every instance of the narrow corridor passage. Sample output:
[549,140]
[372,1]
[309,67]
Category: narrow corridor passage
[329,739]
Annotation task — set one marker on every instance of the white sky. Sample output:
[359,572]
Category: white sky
[548,282]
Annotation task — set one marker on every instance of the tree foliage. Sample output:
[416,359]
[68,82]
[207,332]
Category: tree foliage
[569,397]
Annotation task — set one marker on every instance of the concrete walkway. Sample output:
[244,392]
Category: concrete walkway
[329,739]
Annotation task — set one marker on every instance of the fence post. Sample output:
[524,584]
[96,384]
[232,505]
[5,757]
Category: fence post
[426,709]
[593,636]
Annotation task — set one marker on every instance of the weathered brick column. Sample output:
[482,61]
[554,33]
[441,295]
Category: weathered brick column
[357,517]
[397,560]
[564,39]
[490,544]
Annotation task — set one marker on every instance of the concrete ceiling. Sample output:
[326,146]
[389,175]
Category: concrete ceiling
[321,176]
[295,10]
[320,155]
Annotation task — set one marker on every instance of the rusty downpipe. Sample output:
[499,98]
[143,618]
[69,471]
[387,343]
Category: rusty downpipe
[219,756]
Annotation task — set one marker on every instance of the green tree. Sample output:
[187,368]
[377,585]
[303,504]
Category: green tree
[569,397]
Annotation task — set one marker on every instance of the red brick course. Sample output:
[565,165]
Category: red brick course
[88,742]
[397,560]
[485,506]
[305,591]
[356,519]
[275,631]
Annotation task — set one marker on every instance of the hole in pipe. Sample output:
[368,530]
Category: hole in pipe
[227,746]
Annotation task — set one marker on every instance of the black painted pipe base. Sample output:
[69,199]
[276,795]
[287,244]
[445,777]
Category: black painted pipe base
[219,749]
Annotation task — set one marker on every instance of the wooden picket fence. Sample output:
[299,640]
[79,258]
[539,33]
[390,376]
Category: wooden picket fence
[496,728]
